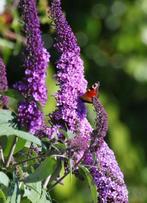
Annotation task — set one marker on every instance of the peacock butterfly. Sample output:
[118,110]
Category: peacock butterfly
[91,92]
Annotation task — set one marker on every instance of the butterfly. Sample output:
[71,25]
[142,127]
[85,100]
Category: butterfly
[91,92]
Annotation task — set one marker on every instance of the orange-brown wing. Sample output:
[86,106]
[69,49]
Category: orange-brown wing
[91,92]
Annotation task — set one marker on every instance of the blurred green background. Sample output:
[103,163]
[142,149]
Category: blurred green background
[112,35]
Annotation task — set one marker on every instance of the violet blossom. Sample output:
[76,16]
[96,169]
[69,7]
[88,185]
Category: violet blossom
[71,114]
[36,56]
[33,86]
[105,170]
[70,76]
[3,83]
[107,176]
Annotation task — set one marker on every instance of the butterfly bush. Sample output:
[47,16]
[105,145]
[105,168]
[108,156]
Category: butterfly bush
[3,83]
[105,171]
[71,113]
[33,86]
[107,176]
[36,56]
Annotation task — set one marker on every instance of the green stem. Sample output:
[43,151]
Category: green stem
[11,152]
[46,182]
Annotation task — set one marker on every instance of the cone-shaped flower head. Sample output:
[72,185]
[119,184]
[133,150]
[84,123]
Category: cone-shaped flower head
[33,86]
[105,170]
[36,56]
[66,40]
[107,176]
[71,112]
[70,76]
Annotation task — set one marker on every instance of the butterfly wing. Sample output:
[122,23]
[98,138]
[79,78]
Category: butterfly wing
[90,93]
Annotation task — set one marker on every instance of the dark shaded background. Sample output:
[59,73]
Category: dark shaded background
[113,40]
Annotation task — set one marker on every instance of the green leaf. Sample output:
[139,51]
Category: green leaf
[92,186]
[56,172]
[19,145]
[43,198]
[33,192]
[8,130]
[5,116]
[45,169]
[2,197]
[4,179]
[9,142]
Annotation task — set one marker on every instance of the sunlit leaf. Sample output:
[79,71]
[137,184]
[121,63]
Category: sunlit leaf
[7,129]
[4,179]
[33,192]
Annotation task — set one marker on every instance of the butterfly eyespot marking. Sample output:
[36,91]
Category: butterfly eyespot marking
[96,85]
[90,93]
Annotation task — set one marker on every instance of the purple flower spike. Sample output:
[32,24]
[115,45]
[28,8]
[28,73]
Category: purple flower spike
[70,76]
[97,136]
[37,57]
[3,84]
[71,113]
[33,86]
[66,40]
[107,176]
[105,170]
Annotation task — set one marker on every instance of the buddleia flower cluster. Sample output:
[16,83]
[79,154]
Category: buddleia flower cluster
[33,86]
[71,110]
[105,170]
[88,145]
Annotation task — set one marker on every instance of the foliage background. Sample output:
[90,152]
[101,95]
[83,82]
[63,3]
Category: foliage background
[113,39]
